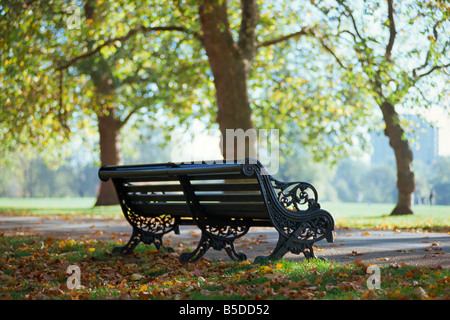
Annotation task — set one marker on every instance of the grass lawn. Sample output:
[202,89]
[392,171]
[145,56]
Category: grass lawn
[63,206]
[377,216]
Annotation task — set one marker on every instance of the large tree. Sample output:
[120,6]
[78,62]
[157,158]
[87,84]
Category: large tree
[113,67]
[231,54]
[237,34]
[58,77]
[392,50]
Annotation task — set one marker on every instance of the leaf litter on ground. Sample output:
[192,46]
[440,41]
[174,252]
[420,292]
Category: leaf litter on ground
[36,268]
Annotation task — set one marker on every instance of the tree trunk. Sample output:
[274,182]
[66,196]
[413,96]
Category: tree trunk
[403,157]
[230,68]
[110,154]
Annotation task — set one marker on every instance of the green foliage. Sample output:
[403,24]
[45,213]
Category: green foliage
[155,73]
[297,89]
[380,51]
[307,105]
[61,68]
[29,95]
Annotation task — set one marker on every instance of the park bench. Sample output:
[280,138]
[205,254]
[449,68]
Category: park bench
[224,199]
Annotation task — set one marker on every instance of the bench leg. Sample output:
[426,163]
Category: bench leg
[285,245]
[129,247]
[139,236]
[201,249]
[236,256]
[207,241]
[318,226]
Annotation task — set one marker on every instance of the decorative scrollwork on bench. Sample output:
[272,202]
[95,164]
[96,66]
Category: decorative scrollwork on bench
[296,196]
[226,228]
[160,224]
[219,234]
[310,230]
[148,230]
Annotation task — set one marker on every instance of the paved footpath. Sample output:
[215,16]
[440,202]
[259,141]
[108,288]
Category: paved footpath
[372,246]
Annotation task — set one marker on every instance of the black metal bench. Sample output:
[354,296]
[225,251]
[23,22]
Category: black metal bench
[224,200]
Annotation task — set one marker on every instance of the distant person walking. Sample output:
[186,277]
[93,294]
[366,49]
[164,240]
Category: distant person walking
[432,195]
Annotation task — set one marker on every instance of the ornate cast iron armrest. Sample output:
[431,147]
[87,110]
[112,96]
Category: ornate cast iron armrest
[296,196]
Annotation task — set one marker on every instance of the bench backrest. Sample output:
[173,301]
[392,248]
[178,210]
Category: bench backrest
[221,189]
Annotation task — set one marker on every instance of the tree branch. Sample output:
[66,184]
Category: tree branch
[304,31]
[110,41]
[430,71]
[62,114]
[350,14]
[327,48]
[133,111]
[350,33]
[392,31]
[429,53]
[427,58]
[247,36]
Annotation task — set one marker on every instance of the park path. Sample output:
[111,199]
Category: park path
[372,246]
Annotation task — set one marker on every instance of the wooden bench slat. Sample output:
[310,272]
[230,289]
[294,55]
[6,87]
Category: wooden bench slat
[158,197]
[152,171]
[217,197]
[154,188]
[249,186]
[256,222]
[210,206]
[227,187]
[218,176]
[162,208]
[234,207]
[226,209]
[227,176]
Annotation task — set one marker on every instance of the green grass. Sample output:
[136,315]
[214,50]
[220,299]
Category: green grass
[346,215]
[58,206]
[377,216]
